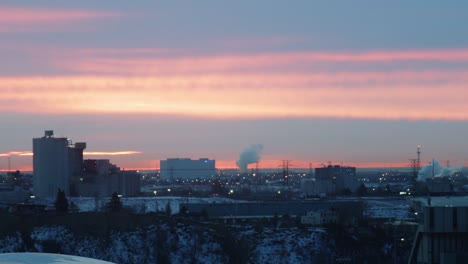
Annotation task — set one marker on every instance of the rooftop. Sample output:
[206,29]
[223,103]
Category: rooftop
[443,200]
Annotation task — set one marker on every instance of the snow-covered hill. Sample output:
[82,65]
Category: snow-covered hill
[177,243]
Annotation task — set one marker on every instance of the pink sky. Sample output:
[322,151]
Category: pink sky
[143,82]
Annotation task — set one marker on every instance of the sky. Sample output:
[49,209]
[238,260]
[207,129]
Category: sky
[359,83]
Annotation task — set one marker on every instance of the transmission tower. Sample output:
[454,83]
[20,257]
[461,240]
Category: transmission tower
[414,168]
[286,164]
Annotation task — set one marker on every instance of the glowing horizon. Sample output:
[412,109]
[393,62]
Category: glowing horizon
[230,165]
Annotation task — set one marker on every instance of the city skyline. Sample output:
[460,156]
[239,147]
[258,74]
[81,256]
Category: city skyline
[359,83]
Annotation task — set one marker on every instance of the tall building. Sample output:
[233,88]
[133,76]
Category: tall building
[187,168]
[56,164]
[59,164]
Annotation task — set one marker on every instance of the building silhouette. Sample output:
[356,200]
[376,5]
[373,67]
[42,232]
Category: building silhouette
[331,179]
[101,178]
[187,168]
[56,164]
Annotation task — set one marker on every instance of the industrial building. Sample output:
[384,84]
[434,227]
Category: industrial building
[345,211]
[101,178]
[331,179]
[57,164]
[187,168]
[442,235]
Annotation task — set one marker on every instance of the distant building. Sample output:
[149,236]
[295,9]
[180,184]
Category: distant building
[439,185]
[130,183]
[101,179]
[347,211]
[13,195]
[333,179]
[317,188]
[56,164]
[442,236]
[187,168]
[322,217]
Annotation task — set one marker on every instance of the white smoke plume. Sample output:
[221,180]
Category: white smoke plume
[248,156]
[436,169]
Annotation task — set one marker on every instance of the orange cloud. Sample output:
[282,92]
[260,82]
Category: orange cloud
[17,19]
[394,95]
[15,153]
[245,86]
[110,153]
[130,51]
[86,153]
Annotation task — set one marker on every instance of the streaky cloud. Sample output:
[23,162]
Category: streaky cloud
[87,153]
[259,62]
[36,19]
[111,153]
[418,96]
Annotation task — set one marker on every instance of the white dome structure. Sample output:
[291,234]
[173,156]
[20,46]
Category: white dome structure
[43,258]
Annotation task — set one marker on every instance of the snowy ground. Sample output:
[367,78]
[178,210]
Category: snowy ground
[140,204]
[43,258]
[179,243]
[387,208]
[289,245]
[154,244]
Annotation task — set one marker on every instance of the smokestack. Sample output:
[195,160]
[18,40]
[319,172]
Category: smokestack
[433,168]
[248,156]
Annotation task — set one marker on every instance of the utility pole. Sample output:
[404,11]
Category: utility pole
[419,157]
[171,173]
[414,168]
[416,164]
